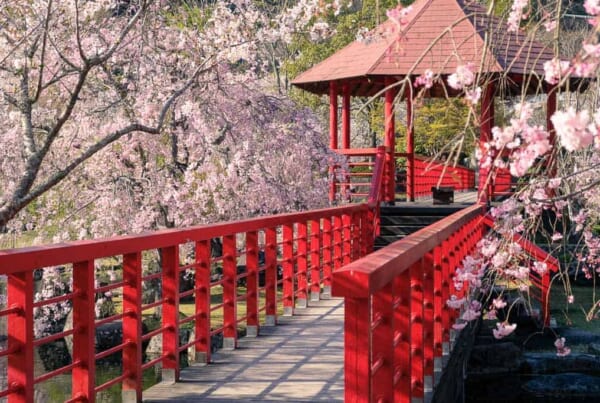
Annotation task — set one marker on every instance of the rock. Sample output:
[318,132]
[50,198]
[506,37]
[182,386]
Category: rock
[569,387]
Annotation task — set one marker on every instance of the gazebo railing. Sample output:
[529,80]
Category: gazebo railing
[354,185]
[428,174]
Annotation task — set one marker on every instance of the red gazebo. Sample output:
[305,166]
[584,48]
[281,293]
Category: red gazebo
[436,35]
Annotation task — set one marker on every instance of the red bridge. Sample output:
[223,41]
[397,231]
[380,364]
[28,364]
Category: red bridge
[325,317]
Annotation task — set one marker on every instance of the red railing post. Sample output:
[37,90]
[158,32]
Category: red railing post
[84,336]
[438,310]
[202,284]
[337,242]
[315,260]
[382,356]
[428,321]
[20,337]
[402,359]
[271,276]
[302,265]
[288,270]
[252,326]
[327,256]
[356,238]
[132,326]
[346,239]
[357,350]
[416,331]
[170,281]
[229,292]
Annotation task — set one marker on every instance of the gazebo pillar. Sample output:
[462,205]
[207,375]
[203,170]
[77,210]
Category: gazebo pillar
[485,134]
[410,147]
[333,133]
[389,181]
[550,109]
[346,131]
[345,116]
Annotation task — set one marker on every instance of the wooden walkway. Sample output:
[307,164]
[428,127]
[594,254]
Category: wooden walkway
[299,360]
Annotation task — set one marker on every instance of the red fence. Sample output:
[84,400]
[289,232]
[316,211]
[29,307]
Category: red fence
[428,174]
[395,316]
[354,184]
[306,247]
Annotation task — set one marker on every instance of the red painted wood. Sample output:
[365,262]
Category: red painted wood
[202,284]
[83,374]
[333,134]
[357,350]
[327,251]
[20,340]
[485,134]
[302,264]
[252,279]
[402,371]
[347,239]
[382,377]
[410,149]
[438,302]
[389,194]
[416,331]
[338,227]
[170,288]
[288,270]
[230,290]
[271,273]
[446,291]
[315,258]
[356,237]
[428,313]
[132,323]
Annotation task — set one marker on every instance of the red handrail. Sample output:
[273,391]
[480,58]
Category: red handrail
[308,246]
[395,321]
[431,173]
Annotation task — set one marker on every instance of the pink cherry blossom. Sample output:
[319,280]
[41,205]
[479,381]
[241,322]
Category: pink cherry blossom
[499,303]
[592,7]
[463,76]
[516,14]
[554,70]
[550,25]
[503,329]
[561,349]
[425,79]
[572,129]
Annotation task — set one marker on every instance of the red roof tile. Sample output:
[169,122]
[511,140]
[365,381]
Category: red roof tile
[439,35]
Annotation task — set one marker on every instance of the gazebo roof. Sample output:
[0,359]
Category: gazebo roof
[438,35]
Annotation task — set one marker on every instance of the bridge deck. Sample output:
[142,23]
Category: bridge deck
[300,359]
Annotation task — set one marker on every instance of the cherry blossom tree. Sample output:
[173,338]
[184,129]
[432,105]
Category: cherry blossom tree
[148,106]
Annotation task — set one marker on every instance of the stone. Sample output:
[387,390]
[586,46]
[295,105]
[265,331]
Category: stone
[495,359]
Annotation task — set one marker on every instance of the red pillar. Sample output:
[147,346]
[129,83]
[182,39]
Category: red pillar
[389,180]
[333,126]
[485,134]
[550,109]
[346,131]
[410,148]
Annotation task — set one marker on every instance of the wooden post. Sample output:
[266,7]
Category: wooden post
[485,134]
[410,148]
[333,135]
[389,181]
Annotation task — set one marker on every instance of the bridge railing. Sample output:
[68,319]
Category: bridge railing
[396,324]
[237,275]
